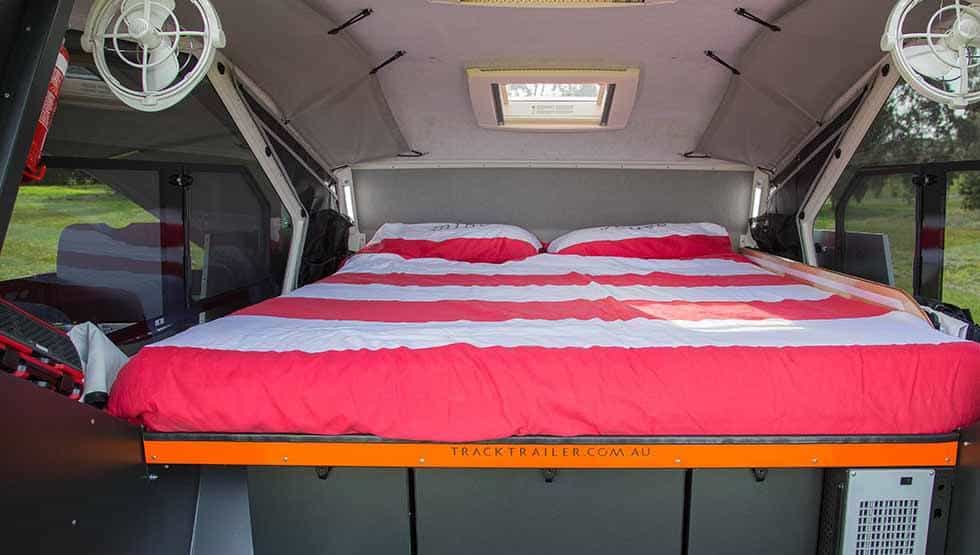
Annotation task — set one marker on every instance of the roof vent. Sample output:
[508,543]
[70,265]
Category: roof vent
[553,99]
[554,3]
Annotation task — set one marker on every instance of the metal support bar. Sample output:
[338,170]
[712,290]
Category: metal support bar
[397,55]
[359,16]
[222,520]
[230,96]
[711,54]
[752,17]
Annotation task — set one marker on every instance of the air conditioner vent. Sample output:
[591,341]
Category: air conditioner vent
[887,512]
[887,527]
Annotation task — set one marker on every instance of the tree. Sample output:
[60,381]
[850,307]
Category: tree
[912,129]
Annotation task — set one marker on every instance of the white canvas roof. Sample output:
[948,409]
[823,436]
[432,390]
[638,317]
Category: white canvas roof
[686,101]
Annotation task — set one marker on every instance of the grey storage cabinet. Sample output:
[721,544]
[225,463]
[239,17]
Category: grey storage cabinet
[351,512]
[579,512]
[741,511]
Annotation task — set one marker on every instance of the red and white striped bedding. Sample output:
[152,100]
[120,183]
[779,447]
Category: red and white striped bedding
[562,345]
[646,241]
[492,243]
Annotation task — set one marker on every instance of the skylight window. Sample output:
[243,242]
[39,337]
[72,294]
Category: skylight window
[544,102]
[554,3]
[553,99]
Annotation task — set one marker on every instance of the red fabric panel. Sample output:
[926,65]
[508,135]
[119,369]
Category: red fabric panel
[655,279]
[605,309]
[463,393]
[492,251]
[674,246]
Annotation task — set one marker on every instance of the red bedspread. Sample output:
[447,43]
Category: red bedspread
[430,349]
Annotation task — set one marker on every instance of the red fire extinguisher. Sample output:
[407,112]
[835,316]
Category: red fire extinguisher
[34,169]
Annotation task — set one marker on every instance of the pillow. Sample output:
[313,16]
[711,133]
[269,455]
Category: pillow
[489,243]
[646,241]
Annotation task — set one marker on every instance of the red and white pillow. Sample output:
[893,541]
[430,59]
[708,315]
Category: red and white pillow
[488,243]
[646,241]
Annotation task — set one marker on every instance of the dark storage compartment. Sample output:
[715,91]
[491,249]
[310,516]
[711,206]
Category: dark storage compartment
[578,512]
[746,511]
[345,511]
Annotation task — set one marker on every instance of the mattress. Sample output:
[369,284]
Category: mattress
[555,345]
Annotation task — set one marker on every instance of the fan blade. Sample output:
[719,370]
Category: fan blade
[925,62]
[964,71]
[159,11]
[164,67]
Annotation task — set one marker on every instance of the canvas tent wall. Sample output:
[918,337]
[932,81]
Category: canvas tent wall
[321,83]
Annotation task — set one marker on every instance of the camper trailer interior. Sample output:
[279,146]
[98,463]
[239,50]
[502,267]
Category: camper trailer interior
[684,277]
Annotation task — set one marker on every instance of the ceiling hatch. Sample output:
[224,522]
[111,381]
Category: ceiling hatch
[547,99]
[554,3]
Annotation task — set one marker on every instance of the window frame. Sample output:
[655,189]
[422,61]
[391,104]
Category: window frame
[884,80]
[180,309]
[222,78]
[931,193]
[931,184]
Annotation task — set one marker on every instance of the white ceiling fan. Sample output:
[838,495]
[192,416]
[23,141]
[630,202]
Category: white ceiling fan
[943,61]
[146,35]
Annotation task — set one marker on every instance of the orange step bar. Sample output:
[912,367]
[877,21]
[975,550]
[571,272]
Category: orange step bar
[542,455]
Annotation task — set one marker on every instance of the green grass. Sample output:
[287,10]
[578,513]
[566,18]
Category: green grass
[961,276]
[43,211]
[892,213]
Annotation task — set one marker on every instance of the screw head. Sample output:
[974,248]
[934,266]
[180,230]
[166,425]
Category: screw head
[154,457]
[815,460]
[92,421]
[422,460]
[677,461]
[74,522]
[285,459]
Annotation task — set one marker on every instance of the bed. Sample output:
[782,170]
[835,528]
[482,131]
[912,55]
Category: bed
[566,346]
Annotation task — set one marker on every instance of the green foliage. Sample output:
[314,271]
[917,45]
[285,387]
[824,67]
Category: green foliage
[912,129]
[967,185]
